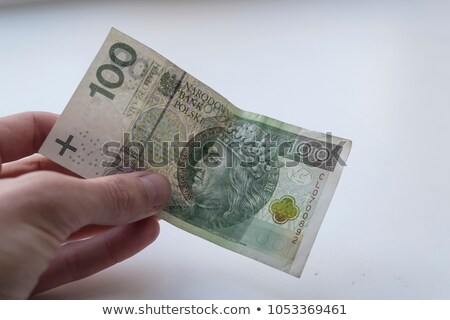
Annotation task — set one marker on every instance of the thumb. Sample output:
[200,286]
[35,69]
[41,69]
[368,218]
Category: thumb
[38,212]
[62,204]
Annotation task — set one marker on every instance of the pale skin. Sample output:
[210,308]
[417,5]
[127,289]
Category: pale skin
[44,208]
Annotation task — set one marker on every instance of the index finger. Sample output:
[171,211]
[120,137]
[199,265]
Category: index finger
[22,134]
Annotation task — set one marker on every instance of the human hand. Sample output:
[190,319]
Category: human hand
[44,207]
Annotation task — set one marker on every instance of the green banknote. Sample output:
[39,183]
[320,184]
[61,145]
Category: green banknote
[246,182]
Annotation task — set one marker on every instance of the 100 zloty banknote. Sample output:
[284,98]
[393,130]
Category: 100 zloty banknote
[249,183]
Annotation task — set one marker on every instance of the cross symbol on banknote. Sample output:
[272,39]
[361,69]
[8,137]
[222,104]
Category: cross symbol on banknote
[66,145]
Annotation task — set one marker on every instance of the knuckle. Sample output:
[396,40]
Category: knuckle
[120,197]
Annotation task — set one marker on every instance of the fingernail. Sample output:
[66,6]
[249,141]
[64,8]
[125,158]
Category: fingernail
[158,189]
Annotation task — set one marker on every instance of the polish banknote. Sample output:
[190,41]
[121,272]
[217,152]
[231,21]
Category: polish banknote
[246,182]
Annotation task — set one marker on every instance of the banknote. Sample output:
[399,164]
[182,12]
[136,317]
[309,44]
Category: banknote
[244,181]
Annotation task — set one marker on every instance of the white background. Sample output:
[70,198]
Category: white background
[375,72]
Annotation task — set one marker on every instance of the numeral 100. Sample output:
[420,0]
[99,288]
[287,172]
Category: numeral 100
[95,88]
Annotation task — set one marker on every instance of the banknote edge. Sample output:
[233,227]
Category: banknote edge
[307,244]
